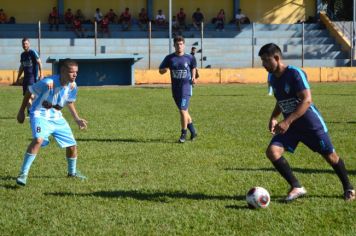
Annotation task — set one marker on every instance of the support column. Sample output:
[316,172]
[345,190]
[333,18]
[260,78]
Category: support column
[236,6]
[150,9]
[60,7]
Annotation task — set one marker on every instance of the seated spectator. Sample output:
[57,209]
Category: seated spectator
[240,18]
[3,17]
[181,19]
[143,19]
[220,20]
[79,15]
[12,20]
[125,19]
[198,19]
[53,19]
[98,16]
[175,26]
[104,26]
[160,19]
[112,16]
[68,18]
[77,27]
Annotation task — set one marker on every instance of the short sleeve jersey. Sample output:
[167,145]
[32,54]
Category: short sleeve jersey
[29,63]
[180,69]
[285,90]
[58,96]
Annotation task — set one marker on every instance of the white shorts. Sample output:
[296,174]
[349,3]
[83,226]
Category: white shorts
[59,129]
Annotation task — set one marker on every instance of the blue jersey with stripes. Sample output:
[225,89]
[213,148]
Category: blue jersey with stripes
[285,89]
[181,72]
[29,64]
[49,102]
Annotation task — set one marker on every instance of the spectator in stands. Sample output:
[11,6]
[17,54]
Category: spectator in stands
[143,19]
[220,20]
[112,16]
[3,17]
[12,20]
[104,26]
[79,15]
[240,18]
[181,16]
[68,18]
[125,19]
[160,19]
[77,27]
[175,26]
[53,19]
[197,19]
[98,16]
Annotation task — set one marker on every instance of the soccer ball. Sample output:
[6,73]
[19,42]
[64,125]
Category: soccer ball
[257,197]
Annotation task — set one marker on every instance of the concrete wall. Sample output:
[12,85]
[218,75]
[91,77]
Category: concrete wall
[260,11]
[223,76]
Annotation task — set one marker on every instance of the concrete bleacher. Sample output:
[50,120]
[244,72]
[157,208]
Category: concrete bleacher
[228,49]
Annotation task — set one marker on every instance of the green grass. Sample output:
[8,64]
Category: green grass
[142,182]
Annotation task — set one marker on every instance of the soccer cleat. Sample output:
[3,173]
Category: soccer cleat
[77,175]
[295,193]
[182,138]
[193,136]
[349,195]
[21,179]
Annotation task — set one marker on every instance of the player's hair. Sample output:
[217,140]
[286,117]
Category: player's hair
[67,63]
[178,38]
[270,49]
[25,39]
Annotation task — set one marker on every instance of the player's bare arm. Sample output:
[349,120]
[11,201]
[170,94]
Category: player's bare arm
[83,124]
[302,107]
[21,113]
[194,71]
[163,70]
[274,118]
[39,62]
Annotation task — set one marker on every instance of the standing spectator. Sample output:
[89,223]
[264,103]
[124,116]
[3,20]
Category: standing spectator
[181,16]
[78,28]
[31,66]
[182,67]
[192,52]
[98,16]
[240,18]
[104,26]
[125,19]
[53,19]
[220,20]
[111,16]
[160,19]
[198,19]
[79,15]
[68,18]
[143,19]
[51,95]
[3,17]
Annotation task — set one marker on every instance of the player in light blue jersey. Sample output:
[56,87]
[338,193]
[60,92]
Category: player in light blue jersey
[51,95]
[183,71]
[301,122]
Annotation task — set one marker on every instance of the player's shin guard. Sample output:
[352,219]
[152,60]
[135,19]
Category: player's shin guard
[27,162]
[341,172]
[284,169]
[72,165]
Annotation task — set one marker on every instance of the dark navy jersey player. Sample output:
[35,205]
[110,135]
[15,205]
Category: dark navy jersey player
[182,68]
[30,65]
[301,122]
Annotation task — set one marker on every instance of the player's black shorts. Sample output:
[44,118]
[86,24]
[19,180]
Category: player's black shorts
[318,142]
[27,81]
[182,101]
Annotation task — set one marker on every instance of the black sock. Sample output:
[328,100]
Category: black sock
[184,131]
[284,169]
[341,172]
[191,128]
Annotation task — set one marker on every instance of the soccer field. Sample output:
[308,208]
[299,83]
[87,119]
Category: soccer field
[142,182]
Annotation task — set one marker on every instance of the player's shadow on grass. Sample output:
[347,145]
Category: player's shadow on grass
[300,170]
[340,122]
[7,118]
[221,95]
[124,140]
[144,196]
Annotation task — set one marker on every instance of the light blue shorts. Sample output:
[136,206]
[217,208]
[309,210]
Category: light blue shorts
[59,129]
